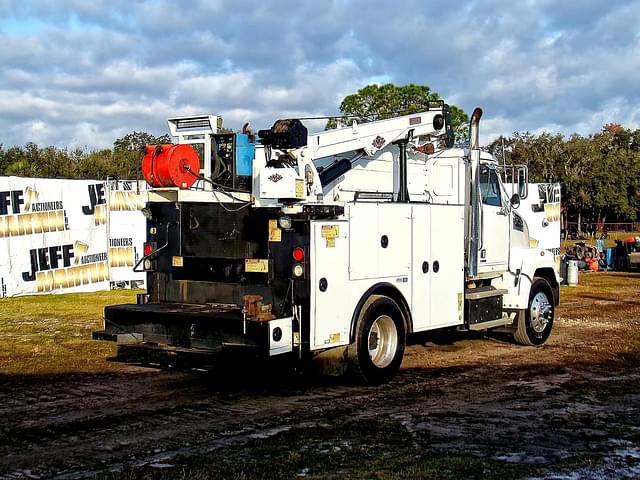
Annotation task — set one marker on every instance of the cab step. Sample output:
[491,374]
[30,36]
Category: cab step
[483,292]
[484,308]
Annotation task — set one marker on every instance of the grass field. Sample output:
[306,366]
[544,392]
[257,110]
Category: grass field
[51,334]
[167,424]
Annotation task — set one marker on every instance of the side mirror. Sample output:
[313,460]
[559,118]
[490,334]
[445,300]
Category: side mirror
[515,201]
[523,186]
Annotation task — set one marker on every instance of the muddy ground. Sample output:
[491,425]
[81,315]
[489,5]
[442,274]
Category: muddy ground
[466,405]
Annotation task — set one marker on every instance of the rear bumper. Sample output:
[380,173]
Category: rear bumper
[207,328]
[119,338]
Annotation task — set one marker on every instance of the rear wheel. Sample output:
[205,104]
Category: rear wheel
[377,352]
[534,327]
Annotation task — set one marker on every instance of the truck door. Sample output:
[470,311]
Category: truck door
[437,266]
[421,264]
[494,250]
[331,307]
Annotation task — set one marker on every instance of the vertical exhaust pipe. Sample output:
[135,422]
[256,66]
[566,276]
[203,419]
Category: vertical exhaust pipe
[403,189]
[474,217]
[474,128]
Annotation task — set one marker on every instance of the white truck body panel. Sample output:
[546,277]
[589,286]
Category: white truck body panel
[281,183]
[370,257]
[445,178]
[330,315]
[416,233]
[447,284]
[438,248]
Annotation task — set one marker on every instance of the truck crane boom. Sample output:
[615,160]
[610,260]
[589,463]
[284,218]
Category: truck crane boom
[431,123]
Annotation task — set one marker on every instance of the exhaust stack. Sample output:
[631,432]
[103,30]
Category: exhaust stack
[474,217]
[474,128]
[403,190]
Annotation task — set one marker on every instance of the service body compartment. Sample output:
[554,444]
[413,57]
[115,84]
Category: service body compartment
[447,252]
[330,289]
[421,266]
[379,236]
[207,248]
[437,267]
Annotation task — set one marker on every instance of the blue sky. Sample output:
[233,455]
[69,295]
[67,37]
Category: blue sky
[83,73]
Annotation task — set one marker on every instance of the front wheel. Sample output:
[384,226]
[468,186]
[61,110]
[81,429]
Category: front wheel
[534,327]
[377,352]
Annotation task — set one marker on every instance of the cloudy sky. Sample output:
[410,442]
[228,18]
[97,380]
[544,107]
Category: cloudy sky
[85,72]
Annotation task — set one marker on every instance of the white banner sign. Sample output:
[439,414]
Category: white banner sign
[54,236]
[126,230]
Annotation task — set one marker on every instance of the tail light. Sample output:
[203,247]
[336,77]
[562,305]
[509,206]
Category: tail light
[298,254]
[148,248]
[298,267]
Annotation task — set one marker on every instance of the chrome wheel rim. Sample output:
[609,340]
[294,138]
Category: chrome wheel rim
[540,312]
[382,341]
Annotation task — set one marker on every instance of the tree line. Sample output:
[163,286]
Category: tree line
[599,173]
[121,162]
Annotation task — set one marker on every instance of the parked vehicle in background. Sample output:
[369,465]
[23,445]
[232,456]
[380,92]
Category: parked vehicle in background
[539,207]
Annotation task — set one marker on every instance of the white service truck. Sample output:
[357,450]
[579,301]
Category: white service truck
[353,238]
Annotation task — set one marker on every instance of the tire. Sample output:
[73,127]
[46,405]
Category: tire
[380,338]
[534,327]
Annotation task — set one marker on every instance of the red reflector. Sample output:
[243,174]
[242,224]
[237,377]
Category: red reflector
[298,254]
[147,249]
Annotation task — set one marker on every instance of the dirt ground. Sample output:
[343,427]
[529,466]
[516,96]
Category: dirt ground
[472,405]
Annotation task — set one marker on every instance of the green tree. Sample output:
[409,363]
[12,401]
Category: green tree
[50,162]
[136,141]
[3,159]
[615,177]
[576,166]
[378,102]
[128,152]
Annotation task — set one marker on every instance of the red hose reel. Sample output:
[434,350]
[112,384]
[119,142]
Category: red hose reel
[171,166]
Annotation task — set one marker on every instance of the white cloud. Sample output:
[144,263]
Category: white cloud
[84,73]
